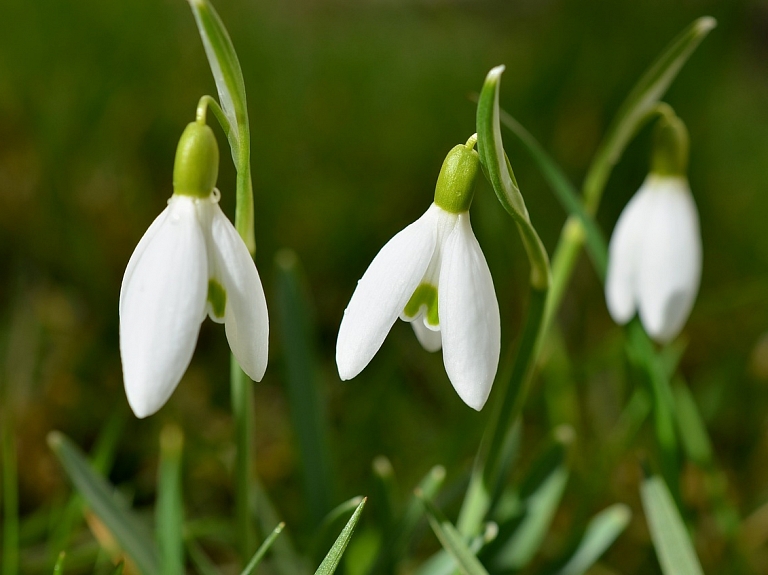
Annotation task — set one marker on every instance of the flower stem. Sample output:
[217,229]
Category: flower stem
[242,411]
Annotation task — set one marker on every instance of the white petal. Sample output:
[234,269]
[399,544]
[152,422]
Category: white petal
[430,339]
[162,298]
[469,316]
[624,256]
[670,260]
[382,293]
[245,318]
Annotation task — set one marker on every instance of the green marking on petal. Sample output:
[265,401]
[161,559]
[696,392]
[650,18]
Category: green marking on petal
[425,295]
[217,295]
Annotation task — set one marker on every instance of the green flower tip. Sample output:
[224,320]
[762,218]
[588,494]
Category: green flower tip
[425,296]
[217,297]
[197,162]
[456,182]
[670,146]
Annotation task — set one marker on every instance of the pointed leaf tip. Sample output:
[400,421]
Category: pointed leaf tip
[705,24]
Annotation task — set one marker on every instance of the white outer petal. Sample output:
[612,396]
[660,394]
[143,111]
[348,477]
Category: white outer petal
[382,292]
[621,281]
[469,316]
[670,262]
[245,317]
[162,298]
[430,339]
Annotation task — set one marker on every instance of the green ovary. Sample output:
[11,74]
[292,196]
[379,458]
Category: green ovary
[217,295]
[425,295]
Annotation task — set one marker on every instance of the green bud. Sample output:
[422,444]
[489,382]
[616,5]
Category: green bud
[670,147]
[456,182]
[197,162]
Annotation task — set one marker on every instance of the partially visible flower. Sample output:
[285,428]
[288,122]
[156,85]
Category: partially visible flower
[190,263]
[654,259]
[434,275]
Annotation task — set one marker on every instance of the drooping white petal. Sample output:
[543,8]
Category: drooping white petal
[430,339]
[670,260]
[245,318]
[162,299]
[469,316]
[624,256]
[382,292]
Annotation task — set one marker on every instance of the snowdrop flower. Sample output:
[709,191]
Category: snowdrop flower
[190,263]
[433,275]
[654,257]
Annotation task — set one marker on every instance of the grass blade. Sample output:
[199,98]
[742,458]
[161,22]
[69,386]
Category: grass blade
[10,498]
[601,532]
[118,570]
[670,538]
[451,540]
[331,561]
[306,405]
[169,511]
[693,432]
[129,532]
[58,568]
[262,550]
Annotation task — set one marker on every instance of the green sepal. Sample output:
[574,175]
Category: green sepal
[669,156]
[456,183]
[196,167]
[217,296]
[424,295]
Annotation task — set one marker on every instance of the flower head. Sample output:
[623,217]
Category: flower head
[434,275]
[654,257]
[190,263]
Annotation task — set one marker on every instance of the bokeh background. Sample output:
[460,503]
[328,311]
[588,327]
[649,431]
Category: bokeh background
[353,106]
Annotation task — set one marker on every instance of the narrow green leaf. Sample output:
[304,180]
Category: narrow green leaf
[169,511]
[601,532]
[225,68]
[200,560]
[58,569]
[564,191]
[297,336]
[262,550]
[326,531]
[540,494]
[10,497]
[451,540]
[443,563]
[331,561]
[498,170]
[693,432]
[118,570]
[242,413]
[639,104]
[129,532]
[670,538]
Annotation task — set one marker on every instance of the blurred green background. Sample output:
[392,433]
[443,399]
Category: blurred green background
[353,106]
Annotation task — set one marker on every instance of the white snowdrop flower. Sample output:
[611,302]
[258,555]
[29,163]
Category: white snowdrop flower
[434,275]
[190,263]
[654,256]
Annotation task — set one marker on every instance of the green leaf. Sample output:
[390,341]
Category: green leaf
[693,432]
[58,569]
[564,191]
[262,550]
[297,336]
[540,494]
[451,540]
[331,561]
[498,170]
[169,511]
[200,560]
[118,570]
[670,538]
[326,531]
[601,532]
[129,532]
[639,106]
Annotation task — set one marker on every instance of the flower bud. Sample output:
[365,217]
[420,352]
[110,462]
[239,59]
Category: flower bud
[456,182]
[196,167]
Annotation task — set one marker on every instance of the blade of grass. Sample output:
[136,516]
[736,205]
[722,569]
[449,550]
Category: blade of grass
[451,540]
[670,538]
[601,532]
[129,532]
[262,550]
[118,570]
[58,568]
[200,560]
[169,510]
[306,406]
[332,559]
